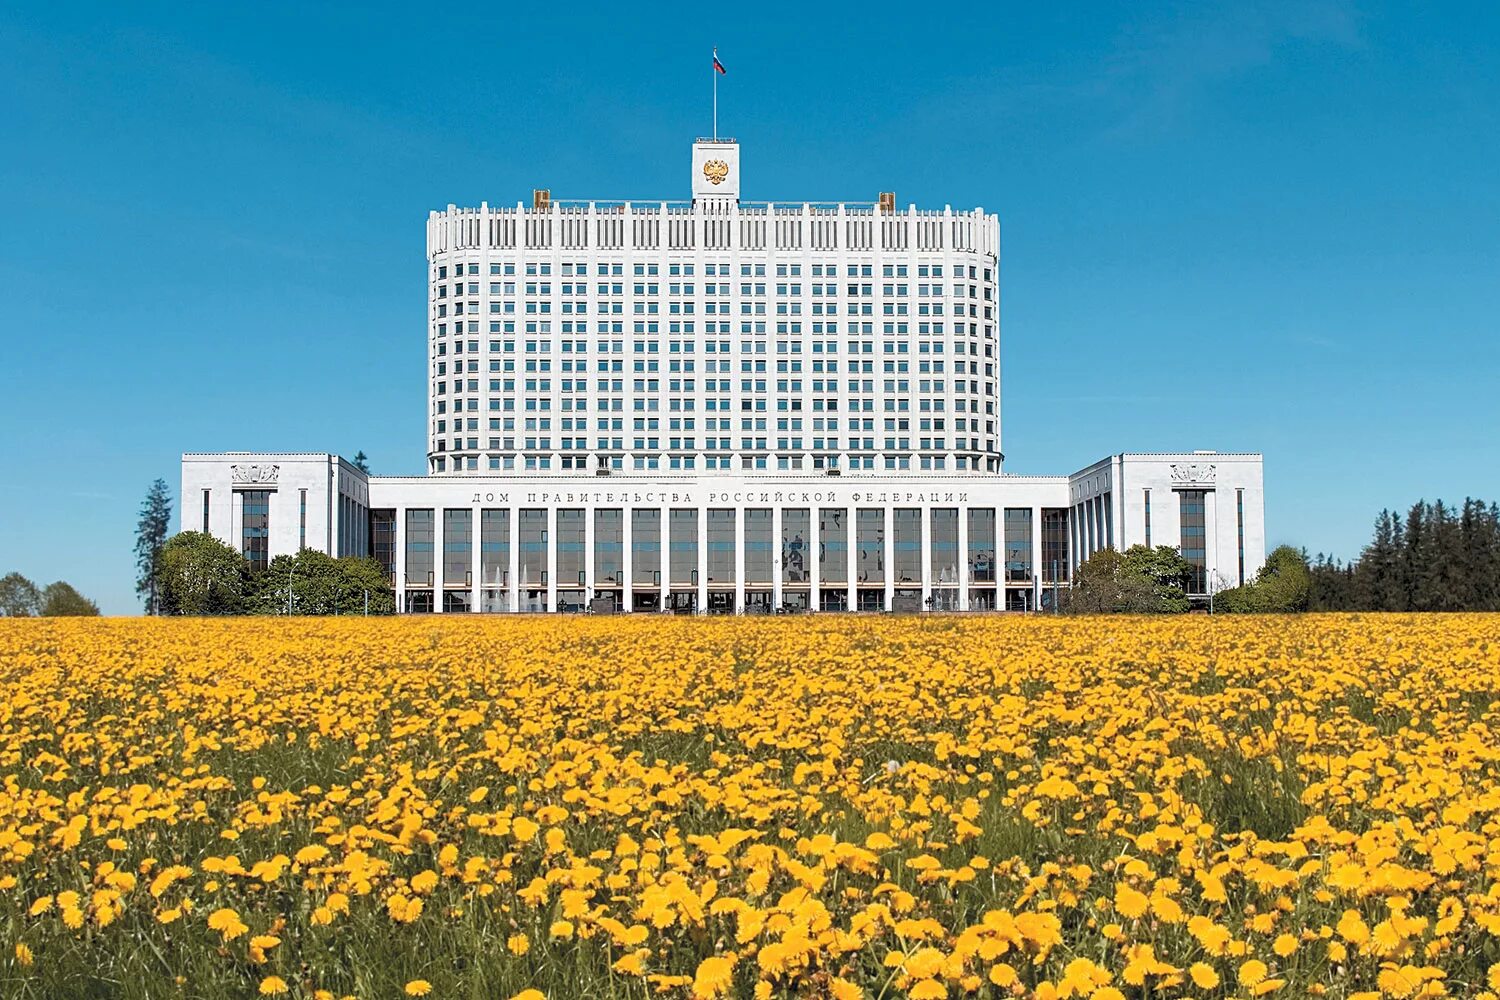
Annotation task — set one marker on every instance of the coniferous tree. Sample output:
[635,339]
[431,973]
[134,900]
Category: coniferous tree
[150,536]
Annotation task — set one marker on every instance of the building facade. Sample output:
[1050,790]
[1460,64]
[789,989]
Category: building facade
[725,407]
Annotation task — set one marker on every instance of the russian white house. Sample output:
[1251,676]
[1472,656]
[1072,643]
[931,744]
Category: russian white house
[723,406]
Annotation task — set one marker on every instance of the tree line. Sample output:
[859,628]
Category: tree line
[1439,557]
[20,598]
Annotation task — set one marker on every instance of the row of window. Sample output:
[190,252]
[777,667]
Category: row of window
[852,547]
[615,269]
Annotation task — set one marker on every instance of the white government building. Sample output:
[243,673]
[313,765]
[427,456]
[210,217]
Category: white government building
[722,406]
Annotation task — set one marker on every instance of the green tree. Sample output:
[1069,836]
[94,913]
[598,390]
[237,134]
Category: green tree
[150,536]
[362,462]
[199,575]
[319,584]
[60,600]
[1282,585]
[19,597]
[1168,573]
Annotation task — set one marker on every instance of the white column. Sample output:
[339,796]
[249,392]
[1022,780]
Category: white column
[888,547]
[588,555]
[924,535]
[1036,557]
[627,567]
[963,558]
[476,572]
[776,557]
[551,560]
[702,556]
[400,559]
[851,553]
[664,590]
[739,560]
[814,561]
[513,570]
[438,556]
[1210,537]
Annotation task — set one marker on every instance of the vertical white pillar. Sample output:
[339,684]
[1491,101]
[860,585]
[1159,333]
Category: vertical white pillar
[963,558]
[400,559]
[851,556]
[702,531]
[1036,557]
[664,559]
[589,541]
[439,557]
[551,543]
[476,571]
[814,560]
[776,558]
[739,560]
[513,569]
[1210,537]
[627,565]
[888,545]
[924,536]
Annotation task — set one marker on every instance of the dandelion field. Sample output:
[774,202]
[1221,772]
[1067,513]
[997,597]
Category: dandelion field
[838,807]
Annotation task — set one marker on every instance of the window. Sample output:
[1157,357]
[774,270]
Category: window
[683,545]
[1239,517]
[419,553]
[1192,505]
[906,544]
[869,566]
[645,548]
[982,544]
[1055,544]
[609,548]
[1148,518]
[205,511]
[758,547]
[1018,545]
[944,545]
[301,520]
[795,527]
[833,545]
[721,547]
[383,540]
[458,547]
[255,532]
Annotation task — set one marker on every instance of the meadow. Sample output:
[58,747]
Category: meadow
[877,807]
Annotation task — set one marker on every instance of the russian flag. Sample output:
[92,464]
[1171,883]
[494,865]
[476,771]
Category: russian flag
[718,65]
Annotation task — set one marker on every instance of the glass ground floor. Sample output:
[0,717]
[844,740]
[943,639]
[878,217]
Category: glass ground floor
[722,561]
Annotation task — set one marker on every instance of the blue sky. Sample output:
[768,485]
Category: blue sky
[1235,226]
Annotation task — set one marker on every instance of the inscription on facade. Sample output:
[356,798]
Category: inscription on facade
[254,474]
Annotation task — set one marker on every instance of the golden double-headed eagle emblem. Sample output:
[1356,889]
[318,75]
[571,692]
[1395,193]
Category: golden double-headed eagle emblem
[716,171]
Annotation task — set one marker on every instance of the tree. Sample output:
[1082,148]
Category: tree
[320,585]
[1282,585]
[150,536]
[60,600]
[199,575]
[362,462]
[19,597]
[1138,581]
[1168,573]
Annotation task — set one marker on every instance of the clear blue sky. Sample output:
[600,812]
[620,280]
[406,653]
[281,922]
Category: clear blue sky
[1233,226]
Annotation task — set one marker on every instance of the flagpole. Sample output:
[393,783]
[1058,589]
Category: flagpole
[714,71]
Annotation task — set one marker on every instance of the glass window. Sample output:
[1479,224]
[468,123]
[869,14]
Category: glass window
[944,545]
[609,548]
[532,550]
[833,545]
[458,547]
[645,548]
[758,547]
[795,529]
[494,548]
[869,565]
[383,540]
[1018,545]
[982,544]
[683,542]
[906,544]
[572,547]
[255,527]
[1055,544]
[419,554]
[721,547]
[1194,538]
